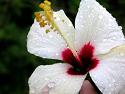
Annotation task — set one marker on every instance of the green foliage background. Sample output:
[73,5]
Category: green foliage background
[16,17]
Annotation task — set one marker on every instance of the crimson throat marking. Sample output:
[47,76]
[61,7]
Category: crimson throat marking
[86,55]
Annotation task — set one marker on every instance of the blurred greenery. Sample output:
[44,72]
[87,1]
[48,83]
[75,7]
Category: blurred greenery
[16,17]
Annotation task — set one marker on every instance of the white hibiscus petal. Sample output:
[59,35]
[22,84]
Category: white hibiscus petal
[96,25]
[109,75]
[51,44]
[53,79]
[65,26]
[46,45]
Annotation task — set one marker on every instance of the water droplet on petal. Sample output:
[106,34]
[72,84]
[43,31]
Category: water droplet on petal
[114,19]
[100,16]
[104,40]
[89,16]
[51,85]
[121,54]
[88,6]
[113,81]
[64,80]
[58,19]
[94,40]
[112,89]
[67,47]
[50,36]
[109,93]
[110,85]
[46,79]
[81,17]
[120,27]
[104,9]
[114,38]
[69,24]
[43,17]
[32,92]
[123,76]
[57,54]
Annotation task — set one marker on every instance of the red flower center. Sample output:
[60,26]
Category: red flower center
[84,62]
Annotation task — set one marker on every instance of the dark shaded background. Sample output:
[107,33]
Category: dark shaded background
[16,17]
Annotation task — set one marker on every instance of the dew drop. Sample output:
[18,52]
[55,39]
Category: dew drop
[48,50]
[57,54]
[113,81]
[110,85]
[89,16]
[114,38]
[51,85]
[114,19]
[100,16]
[104,40]
[44,41]
[46,79]
[88,6]
[109,24]
[46,22]
[121,54]
[50,36]
[112,89]
[94,40]
[104,9]
[64,80]
[32,92]
[58,19]
[43,17]
[67,47]
[69,24]
[120,27]
[81,17]
[123,76]
[82,26]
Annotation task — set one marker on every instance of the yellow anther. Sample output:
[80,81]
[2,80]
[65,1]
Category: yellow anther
[47,8]
[37,14]
[48,13]
[47,2]
[49,16]
[38,19]
[42,24]
[42,5]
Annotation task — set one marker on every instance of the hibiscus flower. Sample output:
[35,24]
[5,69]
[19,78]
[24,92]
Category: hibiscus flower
[95,46]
